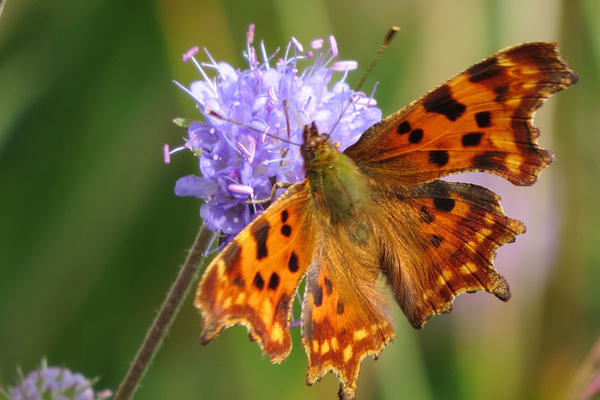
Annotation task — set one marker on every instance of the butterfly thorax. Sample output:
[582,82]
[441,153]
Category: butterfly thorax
[339,189]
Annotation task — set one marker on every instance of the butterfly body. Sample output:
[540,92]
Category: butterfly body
[338,188]
[378,210]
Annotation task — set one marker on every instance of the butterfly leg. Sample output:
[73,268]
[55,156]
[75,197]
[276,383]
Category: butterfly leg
[277,185]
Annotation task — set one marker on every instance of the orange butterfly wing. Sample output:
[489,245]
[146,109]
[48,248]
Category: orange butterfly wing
[455,230]
[344,314]
[253,281]
[443,236]
[478,121]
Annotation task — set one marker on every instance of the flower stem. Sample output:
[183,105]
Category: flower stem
[165,316]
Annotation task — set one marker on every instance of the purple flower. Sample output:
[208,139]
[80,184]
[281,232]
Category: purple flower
[253,123]
[55,383]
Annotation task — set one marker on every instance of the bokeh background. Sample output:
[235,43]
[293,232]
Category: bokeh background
[91,233]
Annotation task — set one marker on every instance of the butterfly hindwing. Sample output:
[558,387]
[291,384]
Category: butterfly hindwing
[456,229]
[481,120]
[253,281]
[344,316]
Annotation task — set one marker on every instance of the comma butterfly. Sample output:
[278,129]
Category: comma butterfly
[378,208]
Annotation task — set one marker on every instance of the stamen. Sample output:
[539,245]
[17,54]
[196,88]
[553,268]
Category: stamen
[251,148]
[365,101]
[372,95]
[250,152]
[244,151]
[238,188]
[333,46]
[189,93]
[277,160]
[344,66]
[307,103]
[166,154]
[214,65]
[252,57]
[167,151]
[200,69]
[190,53]
[210,245]
[316,44]
[272,56]
[234,176]
[250,35]
[264,54]
[263,138]
[272,94]
[297,44]
[195,136]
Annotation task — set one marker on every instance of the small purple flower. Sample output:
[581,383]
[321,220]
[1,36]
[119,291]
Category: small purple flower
[54,383]
[253,122]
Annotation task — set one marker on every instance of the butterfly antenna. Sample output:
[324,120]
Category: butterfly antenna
[386,42]
[264,132]
[287,117]
[289,109]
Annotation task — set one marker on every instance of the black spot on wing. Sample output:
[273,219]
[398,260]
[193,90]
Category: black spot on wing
[403,128]
[260,232]
[426,215]
[436,240]
[443,204]
[439,157]
[273,281]
[286,230]
[340,307]
[231,256]
[483,119]
[318,296]
[415,136]
[238,281]
[328,286]
[501,93]
[471,139]
[485,70]
[293,262]
[282,305]
[440,101]
[490,161]
[259,282]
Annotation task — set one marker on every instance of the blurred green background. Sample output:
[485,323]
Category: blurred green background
[91,233]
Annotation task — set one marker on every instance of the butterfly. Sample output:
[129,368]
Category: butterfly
[378,209]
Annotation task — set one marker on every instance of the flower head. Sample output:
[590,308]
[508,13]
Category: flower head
[55,383]
[253,121]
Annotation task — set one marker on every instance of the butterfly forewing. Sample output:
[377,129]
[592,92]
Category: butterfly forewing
[478,121]
[254,280]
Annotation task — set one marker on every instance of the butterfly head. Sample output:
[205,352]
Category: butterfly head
[318,149]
